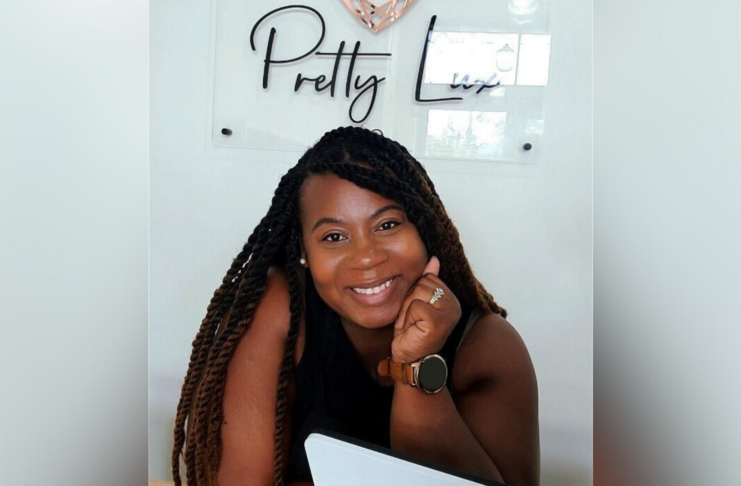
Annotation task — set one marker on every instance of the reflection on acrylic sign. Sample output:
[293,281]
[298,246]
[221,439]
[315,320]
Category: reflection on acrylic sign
[486,59]
[446,85]
[465,134]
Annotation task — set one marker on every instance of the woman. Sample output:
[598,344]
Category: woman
[355,273]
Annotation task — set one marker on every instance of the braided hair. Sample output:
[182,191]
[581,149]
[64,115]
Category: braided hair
[369,160]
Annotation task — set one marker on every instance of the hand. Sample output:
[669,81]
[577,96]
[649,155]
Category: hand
[422,328]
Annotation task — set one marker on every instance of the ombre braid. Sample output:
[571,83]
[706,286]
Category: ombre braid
[370,161]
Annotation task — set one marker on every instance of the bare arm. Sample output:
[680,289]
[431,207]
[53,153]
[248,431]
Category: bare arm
[248,430]
[429,427]
[490,426]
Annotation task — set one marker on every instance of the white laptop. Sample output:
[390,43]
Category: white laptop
[338,460]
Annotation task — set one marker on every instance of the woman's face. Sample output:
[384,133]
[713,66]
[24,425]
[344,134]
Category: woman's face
[362,251]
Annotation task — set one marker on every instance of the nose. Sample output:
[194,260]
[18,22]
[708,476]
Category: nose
[368,253]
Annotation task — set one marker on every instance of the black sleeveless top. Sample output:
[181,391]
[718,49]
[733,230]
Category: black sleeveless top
[334,392]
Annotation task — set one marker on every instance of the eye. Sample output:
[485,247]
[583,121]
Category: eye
[333,238]
[387,225]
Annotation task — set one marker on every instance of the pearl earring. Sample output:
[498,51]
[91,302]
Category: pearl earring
[302,261]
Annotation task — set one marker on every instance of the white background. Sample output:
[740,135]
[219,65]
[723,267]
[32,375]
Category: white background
[526,228]
[74,268]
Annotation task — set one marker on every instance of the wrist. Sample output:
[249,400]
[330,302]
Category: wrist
[429,373]
[413,358]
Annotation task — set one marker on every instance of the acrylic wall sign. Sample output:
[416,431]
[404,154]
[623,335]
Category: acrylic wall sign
[378,17]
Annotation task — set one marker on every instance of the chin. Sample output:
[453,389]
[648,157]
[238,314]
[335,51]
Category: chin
[375,321]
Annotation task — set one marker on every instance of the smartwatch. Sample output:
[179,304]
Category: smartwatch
[429,374]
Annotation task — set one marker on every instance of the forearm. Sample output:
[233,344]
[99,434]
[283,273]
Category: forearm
[429,427]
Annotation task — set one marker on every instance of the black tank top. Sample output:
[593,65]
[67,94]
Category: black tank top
[334,392]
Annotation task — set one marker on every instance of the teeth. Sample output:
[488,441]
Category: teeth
[373,290]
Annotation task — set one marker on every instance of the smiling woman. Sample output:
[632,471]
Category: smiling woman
[363,258]
[352,307]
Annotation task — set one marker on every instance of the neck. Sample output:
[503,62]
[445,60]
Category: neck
[372,345]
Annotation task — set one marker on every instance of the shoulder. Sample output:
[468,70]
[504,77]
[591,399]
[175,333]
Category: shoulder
[495,391]
[275,302]
[492,352]
[271,322]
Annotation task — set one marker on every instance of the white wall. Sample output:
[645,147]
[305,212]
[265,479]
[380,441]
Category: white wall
[527,231]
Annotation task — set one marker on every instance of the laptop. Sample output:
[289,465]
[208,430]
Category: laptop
[338,460]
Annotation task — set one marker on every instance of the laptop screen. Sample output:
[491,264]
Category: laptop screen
[339,460]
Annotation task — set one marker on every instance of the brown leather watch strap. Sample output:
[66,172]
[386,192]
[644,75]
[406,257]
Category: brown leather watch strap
[398,371]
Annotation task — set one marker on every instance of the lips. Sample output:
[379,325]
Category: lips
[371,289]
[374,293]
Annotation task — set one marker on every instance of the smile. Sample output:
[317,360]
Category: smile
[376,294]
[373,290]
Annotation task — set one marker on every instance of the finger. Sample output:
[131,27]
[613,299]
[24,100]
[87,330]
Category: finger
[424,287]
[420,314]
[399,348]
[431,270]
[433,266]
[420,291]
[421,336]
[435,281]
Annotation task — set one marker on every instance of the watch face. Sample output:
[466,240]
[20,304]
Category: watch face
[432,373]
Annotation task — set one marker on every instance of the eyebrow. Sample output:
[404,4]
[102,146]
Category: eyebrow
[375,214]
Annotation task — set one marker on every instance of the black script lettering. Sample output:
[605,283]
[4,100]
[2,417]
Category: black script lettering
[420,73]
[269,51]
[340,51]
[317,82]
[350,69]
[374,82]
[320,82]
[463,82]
[300,79]
[484,83]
